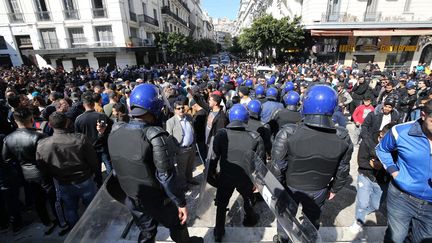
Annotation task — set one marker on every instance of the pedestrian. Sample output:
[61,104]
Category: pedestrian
[409,198]
[235,166]
[72,161]
[143,161]
[180,127]
[312,158]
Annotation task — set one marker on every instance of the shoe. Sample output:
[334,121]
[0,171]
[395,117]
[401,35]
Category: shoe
[65,231]
[50,228]
[278,239]
[250,220]
[196,239]
[356,227]
[193,182]
[218,234]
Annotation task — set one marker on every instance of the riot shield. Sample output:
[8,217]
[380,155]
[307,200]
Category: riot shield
[295,224]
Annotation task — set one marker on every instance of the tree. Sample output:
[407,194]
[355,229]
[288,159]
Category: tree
[227,40]
[267,34]
[175,43]
[236,47]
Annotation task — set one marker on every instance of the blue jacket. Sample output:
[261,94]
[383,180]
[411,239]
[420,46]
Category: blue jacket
[268,108]
[414,161]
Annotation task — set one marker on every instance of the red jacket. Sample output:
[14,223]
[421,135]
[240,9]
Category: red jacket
[361,112]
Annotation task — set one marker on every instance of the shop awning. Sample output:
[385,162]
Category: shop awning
[393,32]
[331,32]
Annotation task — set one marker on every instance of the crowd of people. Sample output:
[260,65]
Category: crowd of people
[58,128]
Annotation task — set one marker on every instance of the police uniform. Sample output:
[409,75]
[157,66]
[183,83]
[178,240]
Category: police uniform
[235,147]
[312,157]
[142,159]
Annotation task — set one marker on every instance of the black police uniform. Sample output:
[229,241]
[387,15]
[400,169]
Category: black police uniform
[255,125]
[310,161]
[284,116]
[142,159]
[235,147]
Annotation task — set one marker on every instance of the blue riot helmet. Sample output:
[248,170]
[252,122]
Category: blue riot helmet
[198,75]
[239,80]
[238,113]
[319,104]
[254,107]
[211,68]
[226,78]
[212,76]
[260,91]
[288,87]
[249,83]
[145,98]
[271,80]
[272,93]
[291,100]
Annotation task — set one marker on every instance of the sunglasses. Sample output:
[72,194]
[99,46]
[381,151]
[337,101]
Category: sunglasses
[180,108]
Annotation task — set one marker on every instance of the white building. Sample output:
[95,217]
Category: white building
[87,33]
[391,33]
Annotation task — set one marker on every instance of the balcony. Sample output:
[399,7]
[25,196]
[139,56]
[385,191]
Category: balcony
[166,10]
[71,14]
[133,16]
[372,17]
[142,18]
[77,42]
[336,17]
[16,17]
[99,13]
[43,15]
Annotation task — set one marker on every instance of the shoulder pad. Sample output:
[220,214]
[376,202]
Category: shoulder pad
[153,132]
[289,127]
[254,135]
[342,132]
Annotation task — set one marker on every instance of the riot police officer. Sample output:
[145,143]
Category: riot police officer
[142,159]
[288,115]
[255,125]
[311,159]
[235,147]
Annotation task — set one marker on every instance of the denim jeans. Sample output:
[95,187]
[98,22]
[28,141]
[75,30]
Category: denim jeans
[403,210]
[103,157]
[368,197]
[72,193]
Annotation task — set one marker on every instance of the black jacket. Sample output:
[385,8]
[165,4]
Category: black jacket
[359,90]
[310,159]
[20,147]
[86,124]
[68,157]
[372,123]
[199,125]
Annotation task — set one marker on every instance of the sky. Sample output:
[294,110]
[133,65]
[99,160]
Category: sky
[221,8]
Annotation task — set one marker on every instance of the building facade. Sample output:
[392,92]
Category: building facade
[93,33]
[392,33]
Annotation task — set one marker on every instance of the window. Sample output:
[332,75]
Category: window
[134,32]
[171,28]
[104,36]
[3,45]
[155,14]
[99,10]
[42,10]
[144,7]
[15,11]
[407,6]
[70,12]
[77,38]
[49,39]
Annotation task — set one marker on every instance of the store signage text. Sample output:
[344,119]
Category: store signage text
[383,48]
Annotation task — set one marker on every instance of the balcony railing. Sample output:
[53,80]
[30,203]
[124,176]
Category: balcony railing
[43,15]
[73,43]
[71,14]
[16,17]
[166,10]
[142,18]
[133,16]
[372,17]
[99,13]
[77,42]
[334,17]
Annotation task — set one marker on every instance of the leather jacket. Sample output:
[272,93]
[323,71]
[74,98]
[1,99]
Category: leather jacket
[20,148]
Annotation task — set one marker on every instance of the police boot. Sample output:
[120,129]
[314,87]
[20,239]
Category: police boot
[250,218]
[146,238]
[279,239]
[219,230]
[180,235]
